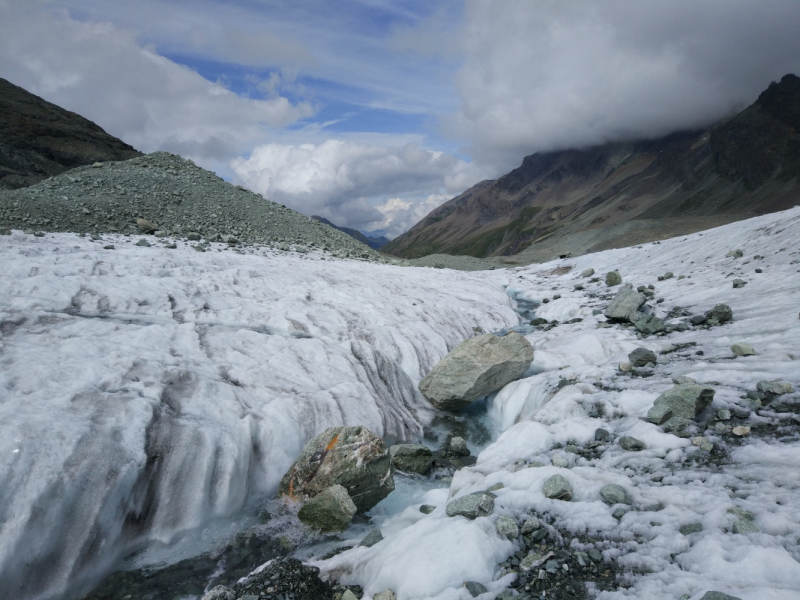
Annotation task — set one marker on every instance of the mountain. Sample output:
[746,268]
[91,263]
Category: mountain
[617,194]
[372,242]
[39,139]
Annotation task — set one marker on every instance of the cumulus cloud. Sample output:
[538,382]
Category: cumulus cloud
[400,215]
[545,75]
[104,74]
[336,178]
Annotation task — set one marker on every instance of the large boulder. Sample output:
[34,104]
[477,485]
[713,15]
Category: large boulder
[330,510]
[411,458]
[352,457]
[686,401]
[647,324]
[475,368]
[625,304]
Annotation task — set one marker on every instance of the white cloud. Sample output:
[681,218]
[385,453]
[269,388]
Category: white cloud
[336,178]
[104,74]
[401,215]
[544,75]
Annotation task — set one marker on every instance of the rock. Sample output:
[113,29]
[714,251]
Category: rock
[741,430]
[739,283]
[146,226]
[219,593]
[613,278]
[718,596]
[530,525]
[387,594]
[587,272]
[556,296]
[659,414]
[475,368]
[474,588]
[330,510]
[723,414]
[471,506]
[507,527]
[686,400]
[143,242]
[372,538]
[777,388]
[353,457]
[679,379]
[411,458]
[193,236]
[348,595]
[625,367]
[734,254]
[458,447]
[641,356]
[614,494]
[625,304]
[602,435]
[619,512]
[742,349]
[745,526]
[697,320]
[108,247]
[557,488]
[578,287]
[427,509]
[691,528]
[647,324]
[631,443]
[677,425]
[538,321]
[720,312]
[668,275]
[560,462]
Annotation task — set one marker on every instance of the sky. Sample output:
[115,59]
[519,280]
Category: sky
[372,113]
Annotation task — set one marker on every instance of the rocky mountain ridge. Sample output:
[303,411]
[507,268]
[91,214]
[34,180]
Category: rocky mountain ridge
[371,241]
[584,200]
[39,139]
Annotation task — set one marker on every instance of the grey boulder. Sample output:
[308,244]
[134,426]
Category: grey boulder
[631,444]
[372,538]
[642,356]
[475,368]
[352,457]
[613,278]
[471,506]
[587,272]
[742,349]
[614,494]
[720,312]
[686,400]
[507,527]
[625,304]
[330,510]
[775,387]
[411,458]
[475,588]
[557,488]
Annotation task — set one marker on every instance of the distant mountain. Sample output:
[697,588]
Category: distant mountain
[372,242]
[39,139]
[617,194]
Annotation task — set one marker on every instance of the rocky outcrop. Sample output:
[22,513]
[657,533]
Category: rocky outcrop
[352,457]
[39,139]
[475,368]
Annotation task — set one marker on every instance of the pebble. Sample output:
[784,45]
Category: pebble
[742,349]
[507,527]
[557,488]
[560,462]
[631,444]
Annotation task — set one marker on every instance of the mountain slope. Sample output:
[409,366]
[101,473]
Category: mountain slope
[372,242]
[39,139]
[575,201]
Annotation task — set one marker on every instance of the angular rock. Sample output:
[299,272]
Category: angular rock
[625,304]
[631,444]
[647,324]
[471,506]
[718,596]
[619,512]
[686,400]
[659,414]
[530,525]
[348,595]
[353,457]
[742,349]
[745,526]
[691,528]
[458,447]
[220,592]
[613,278]
[587,272]
[411,458]
[668,275]
[720,312]
[602,435]
[427,509]
[143,243]
[146,226]
[739,283]
[507,527]
[330,510]
[387,594]
[777,388]
[677,425]
[641,356]
[734,254]
[372,538]
[474,588]
[560,462]
[475,368]
[614,494]
[557,488]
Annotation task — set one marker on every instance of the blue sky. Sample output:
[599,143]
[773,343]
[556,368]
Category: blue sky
[372,113]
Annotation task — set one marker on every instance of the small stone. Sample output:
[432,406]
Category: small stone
[97,165]
[471,506]
[108,247]
[619,512]
[742,349]
[602,435]
[372,538]
[697,320]
[348,595]
[538,321]
[557,488]
[691,528]
[411,458]
[595,555]
[668,275]
[631,444]
[474,588]
[745,526]
[193,236]
[556,296]
[679,379]
[734,254]
[143,242]
[625,367]
[647,324]
[741,430]
[739,283]
[507,527]
[458,446]
[560,462]
[613,278]
[777,388]
[614,494]
[720,312]
[641,356]
[530,525]
[427,509]
[387,594]
[587,272]
[759,271]
[578,287]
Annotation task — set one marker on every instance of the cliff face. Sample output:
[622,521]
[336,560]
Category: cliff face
[39,139]
[627,192]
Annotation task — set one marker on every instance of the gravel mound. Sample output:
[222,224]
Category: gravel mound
[176,196]
[285,578]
